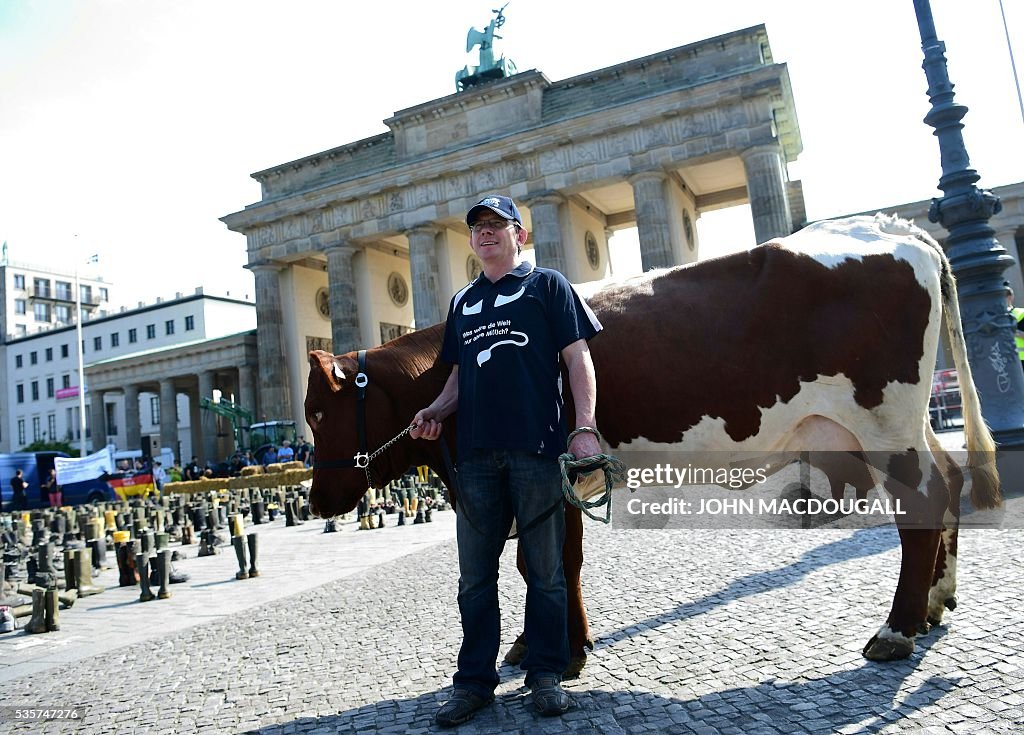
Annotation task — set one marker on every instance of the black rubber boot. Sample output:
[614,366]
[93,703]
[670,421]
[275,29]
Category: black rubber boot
[51,606]
[142,564]
[164,566]
[252,540]
[70,577]
[239,543]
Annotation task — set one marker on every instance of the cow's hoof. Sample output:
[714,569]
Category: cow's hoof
[516,654]
[950,603]
[888,645]
[925,627]
[576,664]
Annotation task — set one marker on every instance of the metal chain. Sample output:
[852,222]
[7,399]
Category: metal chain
[381,450]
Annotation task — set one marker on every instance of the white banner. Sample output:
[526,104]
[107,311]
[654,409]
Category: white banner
[73,469]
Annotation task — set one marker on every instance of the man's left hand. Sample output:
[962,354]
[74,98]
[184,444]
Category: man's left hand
[584,445]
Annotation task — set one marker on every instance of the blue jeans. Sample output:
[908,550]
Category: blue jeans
[496,486]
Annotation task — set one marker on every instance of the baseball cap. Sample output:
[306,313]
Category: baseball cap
[501,206]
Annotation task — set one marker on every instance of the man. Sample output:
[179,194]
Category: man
[505,333]
[192,470]
[19,485]
[159,476]
[285,453]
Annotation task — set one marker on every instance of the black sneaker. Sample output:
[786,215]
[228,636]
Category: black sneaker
[463,705]
[549,699]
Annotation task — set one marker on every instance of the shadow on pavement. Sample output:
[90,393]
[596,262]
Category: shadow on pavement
[863,700]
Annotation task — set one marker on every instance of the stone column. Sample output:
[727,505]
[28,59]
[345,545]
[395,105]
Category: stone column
[1007,238]
[766,189]
[341,285]
[97,420]
[652,219]
[548,239]
[425,280]
[132,429]
[195,423]
[207,420]
[270,341]
[247,391]
[169,415]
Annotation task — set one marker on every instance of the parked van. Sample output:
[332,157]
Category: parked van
[36,466]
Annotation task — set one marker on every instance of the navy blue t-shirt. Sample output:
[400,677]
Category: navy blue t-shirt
[506,338]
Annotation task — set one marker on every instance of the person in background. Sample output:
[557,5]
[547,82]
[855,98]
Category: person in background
[53,490]
[20,487]
[271,456]
[285,453]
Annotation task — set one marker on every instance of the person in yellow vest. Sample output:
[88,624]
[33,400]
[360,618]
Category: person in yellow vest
[1017,313]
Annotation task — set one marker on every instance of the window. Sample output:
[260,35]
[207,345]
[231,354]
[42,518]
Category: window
[19,390]
[64,350]
[21,329]
[65,381]
[85,292]
[49,387]
[63,290]
[169,326]
[104,294]
[19,282]
[111,413]
[150,331]
[49,354]
[115,339]
[154,409]
[17,361]
[41,287]
[97,343]
[20,306]
[21,426]
[33,358]
[190,323]
[133,336]
[62,313]
[41,312]
[72,424]
[37,429]
[35,390]
[51,426]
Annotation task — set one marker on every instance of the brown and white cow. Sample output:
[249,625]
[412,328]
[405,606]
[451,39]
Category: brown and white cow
[822,341]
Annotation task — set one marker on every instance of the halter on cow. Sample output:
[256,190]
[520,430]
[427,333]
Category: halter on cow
[822,341]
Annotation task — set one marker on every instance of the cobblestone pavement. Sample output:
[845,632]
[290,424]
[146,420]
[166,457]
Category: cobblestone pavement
[698,631]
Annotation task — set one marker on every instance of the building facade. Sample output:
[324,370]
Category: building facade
[176,351]
[354,245]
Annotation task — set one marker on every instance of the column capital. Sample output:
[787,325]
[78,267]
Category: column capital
[548,196]
[649,174]
[774,147]
[425,228]
[265,266]
[342,247]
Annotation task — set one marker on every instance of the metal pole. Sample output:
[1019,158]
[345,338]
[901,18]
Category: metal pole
[1013,64]
[977,258]
[81,366]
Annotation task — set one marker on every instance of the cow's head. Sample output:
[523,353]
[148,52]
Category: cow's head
[331,412]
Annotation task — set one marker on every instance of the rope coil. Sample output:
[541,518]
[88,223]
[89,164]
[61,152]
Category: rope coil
[614,471]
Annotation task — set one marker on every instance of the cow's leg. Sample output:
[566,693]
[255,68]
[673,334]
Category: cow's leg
[942,595]
[924,502]
[579,629]
[572,561]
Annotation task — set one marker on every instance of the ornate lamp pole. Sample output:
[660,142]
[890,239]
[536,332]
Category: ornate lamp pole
[977,258]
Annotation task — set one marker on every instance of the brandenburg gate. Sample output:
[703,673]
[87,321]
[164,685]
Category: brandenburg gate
[355,245]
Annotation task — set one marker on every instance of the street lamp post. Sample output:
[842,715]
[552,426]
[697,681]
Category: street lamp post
[977,258]
[81,366]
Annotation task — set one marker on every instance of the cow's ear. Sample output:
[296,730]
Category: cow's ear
[330,366]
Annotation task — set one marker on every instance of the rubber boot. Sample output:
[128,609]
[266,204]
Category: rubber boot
[401,518]
[188,534]
[83,569]
[67,598]
[418,518]
[239,543]
[380,519]
[289,514]
[364,523]
[164,565]
[38,622]
[330,526]
[98,547]
[426,516]
[256,511]
[51,606]
[252,540]
[142,564]
[127,574]
[70,574]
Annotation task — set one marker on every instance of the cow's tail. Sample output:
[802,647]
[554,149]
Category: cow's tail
[981,448]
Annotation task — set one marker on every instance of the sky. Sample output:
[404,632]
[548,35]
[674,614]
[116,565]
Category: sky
[128,127]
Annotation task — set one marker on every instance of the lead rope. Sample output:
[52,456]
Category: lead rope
[381,450]
[613,468]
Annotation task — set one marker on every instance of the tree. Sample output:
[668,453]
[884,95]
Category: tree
[44,446]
